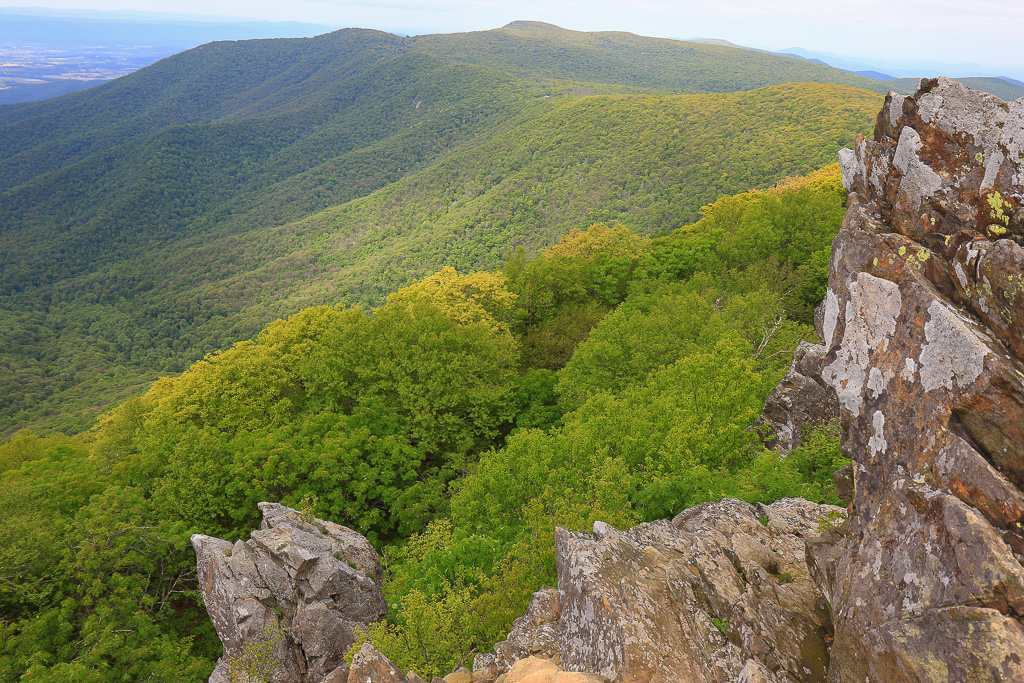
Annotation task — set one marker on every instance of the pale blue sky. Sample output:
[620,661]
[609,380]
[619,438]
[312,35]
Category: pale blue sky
[983,35]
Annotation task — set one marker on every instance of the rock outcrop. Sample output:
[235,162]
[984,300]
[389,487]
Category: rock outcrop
[370,666]
[923,325]
[722,587]
[539,670]
[800,401]
[924,320]
[720,593]
[286,602]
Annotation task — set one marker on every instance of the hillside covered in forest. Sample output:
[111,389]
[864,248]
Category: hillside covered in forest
[177,210]
[450,291]
[560,326]
[613,377]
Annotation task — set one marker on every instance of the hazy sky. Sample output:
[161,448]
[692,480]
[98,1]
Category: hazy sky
[986,33]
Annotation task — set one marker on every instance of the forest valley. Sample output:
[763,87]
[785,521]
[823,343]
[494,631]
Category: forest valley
[612,377]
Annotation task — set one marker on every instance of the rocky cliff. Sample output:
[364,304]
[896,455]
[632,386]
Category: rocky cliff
[924,319]
[923,325]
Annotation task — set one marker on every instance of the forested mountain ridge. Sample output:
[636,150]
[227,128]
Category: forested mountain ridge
[247,79]
[533,49]
[591,160]
[172,212]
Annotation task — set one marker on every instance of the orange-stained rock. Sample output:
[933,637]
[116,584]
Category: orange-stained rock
[542,670]
[576,677]
[530,666]
[544,676]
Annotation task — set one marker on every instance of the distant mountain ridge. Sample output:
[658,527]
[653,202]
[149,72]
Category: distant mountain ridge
[47,53]
[532,49]
[1004,87]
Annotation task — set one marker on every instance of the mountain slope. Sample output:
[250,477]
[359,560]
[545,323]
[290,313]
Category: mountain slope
[172,212]
[181,180]
[649,161]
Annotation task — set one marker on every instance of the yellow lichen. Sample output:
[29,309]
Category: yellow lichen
[997,204]
[979,157]
[1014,286]
[916,260]
[936,669]
[903,250]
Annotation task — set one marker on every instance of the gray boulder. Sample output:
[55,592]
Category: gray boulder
[370,666]
[534,633]
[800,401]
[286,602]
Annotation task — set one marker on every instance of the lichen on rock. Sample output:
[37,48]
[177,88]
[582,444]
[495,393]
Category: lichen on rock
[932,394]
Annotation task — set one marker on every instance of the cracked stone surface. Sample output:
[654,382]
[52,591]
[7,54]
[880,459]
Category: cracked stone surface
[370,666]
[650,604]
[299,588]
[924,321]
